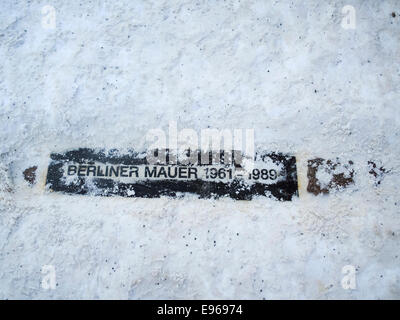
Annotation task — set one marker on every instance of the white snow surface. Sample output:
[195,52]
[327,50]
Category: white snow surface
[112,70]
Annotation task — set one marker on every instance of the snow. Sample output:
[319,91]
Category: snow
[109,72]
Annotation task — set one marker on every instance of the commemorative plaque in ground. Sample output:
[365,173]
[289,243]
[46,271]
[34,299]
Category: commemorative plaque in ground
[207,174]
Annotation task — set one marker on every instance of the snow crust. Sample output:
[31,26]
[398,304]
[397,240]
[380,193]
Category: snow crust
[110,71]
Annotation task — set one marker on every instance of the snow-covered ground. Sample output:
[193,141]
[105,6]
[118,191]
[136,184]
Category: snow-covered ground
[108,72]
